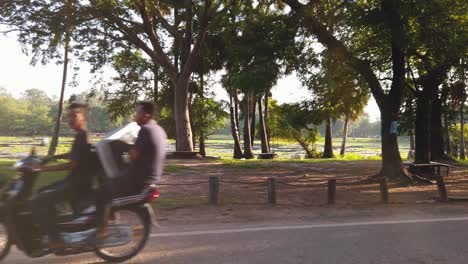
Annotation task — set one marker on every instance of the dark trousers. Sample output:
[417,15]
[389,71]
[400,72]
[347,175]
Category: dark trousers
[103,204]
[45,212]
[44,209]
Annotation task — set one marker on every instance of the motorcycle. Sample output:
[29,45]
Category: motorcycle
[128,229]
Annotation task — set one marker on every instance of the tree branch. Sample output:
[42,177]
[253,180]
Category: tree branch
[325,37]
[161,56]
[165,24]
[207,16]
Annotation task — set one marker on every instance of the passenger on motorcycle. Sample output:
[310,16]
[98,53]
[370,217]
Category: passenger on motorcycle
[146,157]
[78,185]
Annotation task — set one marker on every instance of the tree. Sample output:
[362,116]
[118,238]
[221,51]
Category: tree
[12,114]
[209,116]
[139,79]
[234,122]
[104,25]
[296,122]
[43,27]
[336,89]
[436,44]
[37,104]
[387,28]
[258,43]
[144,25]
[459,96]
[66,50]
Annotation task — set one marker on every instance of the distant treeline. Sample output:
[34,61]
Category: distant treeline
[34,113]
[362,128]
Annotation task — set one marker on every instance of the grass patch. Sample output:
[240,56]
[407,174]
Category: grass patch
[249,164]
[6,166]
[172,168]
[169,203]
[258,163]
[44,179]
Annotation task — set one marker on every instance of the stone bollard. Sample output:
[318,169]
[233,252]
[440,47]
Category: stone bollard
[271,189]
[442,189]
[384,190]
[214,190]
[331,191]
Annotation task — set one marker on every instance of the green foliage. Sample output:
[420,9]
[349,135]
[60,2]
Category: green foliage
[7,173]
[37,107]
[26,115]
[34,113]
[40,26]
[12,113]
[455,133]
[257,46]
[137,77]
[295,122]
[208,116]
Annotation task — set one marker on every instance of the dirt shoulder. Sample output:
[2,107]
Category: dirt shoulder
[301,193]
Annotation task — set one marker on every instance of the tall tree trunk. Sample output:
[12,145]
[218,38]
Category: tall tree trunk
[409,106]
[182,116]
[202,97]
[423,120]
[190,109]
[448,142]
[392,163]
[202,144]
[235,129]
[187,40]
[412,143]
[267,130]
[176,41]
[462,132]
[437,136]
[462,108]
[236,102]
[345,135]
[184,140]
[263,133]
[304,145]
[58,121]
[389,103]
[443,97]
[328,148]
[248,152]
[157,111]
[253,118]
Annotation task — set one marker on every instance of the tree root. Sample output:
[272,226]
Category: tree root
[414,178]
[405,178]
[449,159]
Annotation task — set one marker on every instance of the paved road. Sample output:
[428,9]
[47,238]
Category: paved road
[360,241]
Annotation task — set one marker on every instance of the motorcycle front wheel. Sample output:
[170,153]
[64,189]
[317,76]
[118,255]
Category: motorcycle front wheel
[139,222]
[5,243]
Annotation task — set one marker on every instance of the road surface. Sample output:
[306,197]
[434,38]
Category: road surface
[360,241]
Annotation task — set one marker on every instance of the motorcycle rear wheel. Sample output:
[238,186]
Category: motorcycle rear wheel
[139,221]
[5,243]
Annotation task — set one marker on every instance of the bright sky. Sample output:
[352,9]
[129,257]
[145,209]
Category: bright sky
[17,75]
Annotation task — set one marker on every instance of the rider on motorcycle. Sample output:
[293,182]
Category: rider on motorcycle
[147,156]
[78,185]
